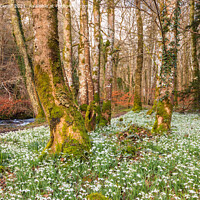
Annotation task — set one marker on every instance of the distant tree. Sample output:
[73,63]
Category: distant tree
[67,50]
[96,58]
[138,72]
[83,95]
[106,109]
[21,44]
[90,87]
[96,54]
[85,75]
[195,63]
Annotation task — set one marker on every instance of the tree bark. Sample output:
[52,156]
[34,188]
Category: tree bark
[195,64]
[106,109]
[87,108]
[96,55]
[138,72]
[169,62]
[90,87]
[115,66]
[67,50]
[20,41]
[67,130]
[83,95]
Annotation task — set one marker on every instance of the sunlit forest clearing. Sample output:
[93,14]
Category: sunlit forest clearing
[99,100]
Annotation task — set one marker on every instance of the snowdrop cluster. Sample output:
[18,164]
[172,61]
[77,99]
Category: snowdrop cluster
[168,166]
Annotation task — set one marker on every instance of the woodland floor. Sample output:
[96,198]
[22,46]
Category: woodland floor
[125,162]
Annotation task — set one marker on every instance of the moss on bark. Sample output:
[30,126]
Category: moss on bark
[163,117]
[67,129]
[90,117]
[105,114]
[137,103]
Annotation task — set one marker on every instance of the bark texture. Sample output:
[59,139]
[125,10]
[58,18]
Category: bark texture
[106,109]
[96,55]
[67,130]
[96,59]
[83,95]
[20,41]
[195,64]
[167,70]
[88,110]
[67,49]
[138,72]
[90,87]
[88,91]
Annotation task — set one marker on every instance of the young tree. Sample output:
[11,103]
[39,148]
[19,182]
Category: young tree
[86,91]
[67,49]
[96,55]
[90,87]
[195,64]
[106,109]
[169,11]
[21,44]
[83,95]
[67,130]
[87,98]
[138,72]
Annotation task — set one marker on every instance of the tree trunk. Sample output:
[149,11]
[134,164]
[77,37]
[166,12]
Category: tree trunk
[96,55]
[152,70]
[169,62]
[186,77]
[138,72]
[87,110]
[20,41]
[83,95]
[106,109]
[67,49]
[67,130]
[90,86]
[195,64]
[96,58]
[115,65]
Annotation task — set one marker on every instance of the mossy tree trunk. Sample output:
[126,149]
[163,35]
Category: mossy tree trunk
[176,21]
[195,64]
[169,18]
[67,130]
[115,65]
[186,77]
[67,49]
[21,44]
[138,72]
[83,95]
[106,109]
[90,86]
[96,58]
[88,110]
[96,55]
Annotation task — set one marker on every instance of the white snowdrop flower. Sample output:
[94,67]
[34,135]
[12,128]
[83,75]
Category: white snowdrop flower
[192,192]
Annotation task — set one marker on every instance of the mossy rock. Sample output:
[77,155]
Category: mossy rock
[96,196]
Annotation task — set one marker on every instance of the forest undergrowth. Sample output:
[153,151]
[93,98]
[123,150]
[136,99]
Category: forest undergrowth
[125,162]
